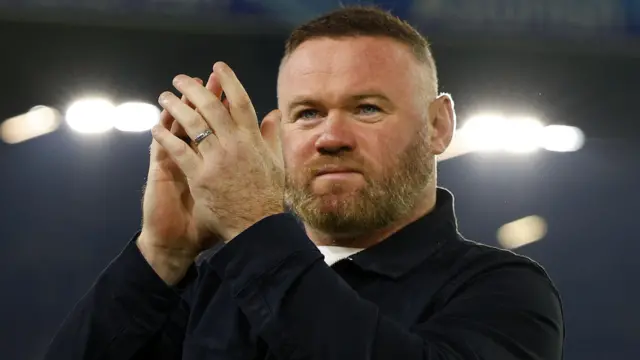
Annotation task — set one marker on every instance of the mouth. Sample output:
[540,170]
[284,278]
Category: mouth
[336,170]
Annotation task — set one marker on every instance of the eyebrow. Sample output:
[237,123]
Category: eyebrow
[306,101]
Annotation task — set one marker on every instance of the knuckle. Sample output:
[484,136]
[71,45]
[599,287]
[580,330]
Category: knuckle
[243,102]
[210,107]
[182,149]
[195,119]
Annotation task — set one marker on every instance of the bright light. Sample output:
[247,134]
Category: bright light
[522,135]
[485,132]
[498,133]
[136,116]
[91,116]
[517,135]
[562,138]
[39,121]
[522,232]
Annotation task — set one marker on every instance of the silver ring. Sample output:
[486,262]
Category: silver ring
[203,135]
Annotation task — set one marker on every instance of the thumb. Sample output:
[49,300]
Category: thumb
[270,130]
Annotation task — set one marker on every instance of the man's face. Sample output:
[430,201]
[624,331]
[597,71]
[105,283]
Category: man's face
[355,134]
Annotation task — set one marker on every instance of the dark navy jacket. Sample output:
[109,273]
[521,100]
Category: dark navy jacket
[423,293]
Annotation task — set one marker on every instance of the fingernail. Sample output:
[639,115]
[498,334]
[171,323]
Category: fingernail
[178,80]
[219,67]
[163,98]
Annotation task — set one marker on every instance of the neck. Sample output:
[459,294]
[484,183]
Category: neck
[365,240]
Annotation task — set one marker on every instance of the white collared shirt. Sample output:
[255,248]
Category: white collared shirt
[333,254]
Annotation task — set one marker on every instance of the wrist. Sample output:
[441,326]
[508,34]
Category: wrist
[171,265]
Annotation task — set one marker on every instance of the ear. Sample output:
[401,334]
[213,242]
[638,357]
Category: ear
[442,119]
[270,130]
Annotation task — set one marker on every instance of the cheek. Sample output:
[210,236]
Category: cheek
[296,150]
[382,150]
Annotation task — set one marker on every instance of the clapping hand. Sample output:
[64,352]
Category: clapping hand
[236,176]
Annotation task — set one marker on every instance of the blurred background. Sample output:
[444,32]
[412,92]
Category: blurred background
[546,161]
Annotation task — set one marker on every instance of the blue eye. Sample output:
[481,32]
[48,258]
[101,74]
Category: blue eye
[307,114]
[369,109]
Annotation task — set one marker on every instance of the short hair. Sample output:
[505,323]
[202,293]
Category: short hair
[355,21]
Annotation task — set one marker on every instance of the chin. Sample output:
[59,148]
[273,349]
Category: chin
[334,202]
[336,194]
[336,189]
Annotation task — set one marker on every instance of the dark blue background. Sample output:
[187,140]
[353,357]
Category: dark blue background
[70,202]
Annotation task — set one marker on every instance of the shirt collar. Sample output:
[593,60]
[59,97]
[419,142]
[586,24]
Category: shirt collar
[333,254]
[413,244]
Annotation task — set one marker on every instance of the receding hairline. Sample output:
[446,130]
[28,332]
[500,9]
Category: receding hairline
[360,20]
[428,68]
[422,53]
[355,21]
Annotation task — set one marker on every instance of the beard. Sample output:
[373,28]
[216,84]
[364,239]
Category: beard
[383,200]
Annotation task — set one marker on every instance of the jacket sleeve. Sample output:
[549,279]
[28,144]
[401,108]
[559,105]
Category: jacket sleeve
[303,309]
[129,313]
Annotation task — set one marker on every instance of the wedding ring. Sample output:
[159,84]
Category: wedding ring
[203,135]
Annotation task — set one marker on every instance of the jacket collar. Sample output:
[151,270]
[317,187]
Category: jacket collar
[414,243]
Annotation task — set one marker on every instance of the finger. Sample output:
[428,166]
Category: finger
[183,134]
[270,130]
[240,106]
[208,105]
[213,85]
[179,131]
[176,128]
[167,122]
[180,152]
[186,100]
[187,117]
[166,119]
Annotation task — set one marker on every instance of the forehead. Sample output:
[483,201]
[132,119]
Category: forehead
[348,65]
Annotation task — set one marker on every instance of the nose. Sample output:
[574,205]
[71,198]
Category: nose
[336,136]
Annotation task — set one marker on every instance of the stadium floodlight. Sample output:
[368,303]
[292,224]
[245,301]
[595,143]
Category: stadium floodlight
[500,133]
[484,132]
[521,232]
[38,121]
[522,135]
[91,116]
[562,138]
[135,116]
[516,135]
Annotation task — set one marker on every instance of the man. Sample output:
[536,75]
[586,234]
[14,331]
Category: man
[352,152]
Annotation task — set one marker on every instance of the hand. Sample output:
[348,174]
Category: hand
[170,240]
[239,177]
